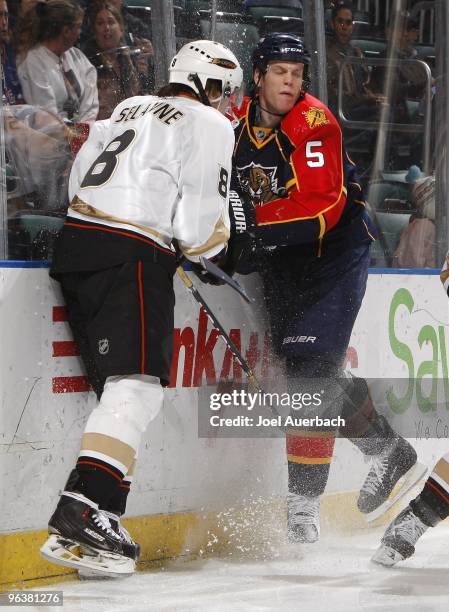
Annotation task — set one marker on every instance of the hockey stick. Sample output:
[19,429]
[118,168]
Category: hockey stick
[218,326]
[252,380]
[210,267]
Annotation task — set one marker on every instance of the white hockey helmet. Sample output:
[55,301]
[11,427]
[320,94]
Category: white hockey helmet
[200,60]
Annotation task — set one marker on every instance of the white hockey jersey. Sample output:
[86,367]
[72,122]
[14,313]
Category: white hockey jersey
[159,168]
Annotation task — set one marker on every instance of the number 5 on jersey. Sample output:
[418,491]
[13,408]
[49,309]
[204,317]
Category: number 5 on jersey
[103,167]
[315,159]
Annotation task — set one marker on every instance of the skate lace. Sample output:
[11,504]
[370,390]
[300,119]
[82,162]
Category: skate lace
[409,528]
[375,475]
[125,534]
[303,510]
[102,521]
[122,531]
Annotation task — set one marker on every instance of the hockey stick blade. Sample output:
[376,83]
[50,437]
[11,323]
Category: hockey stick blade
[220,274]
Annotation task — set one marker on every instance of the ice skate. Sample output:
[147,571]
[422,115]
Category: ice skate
[396,462]
[81,536]
[303,519]
[130,548]
[398,542]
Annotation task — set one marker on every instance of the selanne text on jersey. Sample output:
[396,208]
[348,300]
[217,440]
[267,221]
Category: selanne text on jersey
[301,182]
[157,170]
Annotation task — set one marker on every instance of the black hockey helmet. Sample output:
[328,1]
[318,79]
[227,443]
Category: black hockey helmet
[279,47]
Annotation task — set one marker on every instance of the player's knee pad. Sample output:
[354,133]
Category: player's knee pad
[127,405]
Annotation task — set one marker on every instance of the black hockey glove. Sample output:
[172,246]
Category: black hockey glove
[204,276]
[242,245]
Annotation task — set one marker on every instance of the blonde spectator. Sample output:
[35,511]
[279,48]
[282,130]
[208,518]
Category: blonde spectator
[53,73]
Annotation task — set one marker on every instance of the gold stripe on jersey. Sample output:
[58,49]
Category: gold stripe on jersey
[290,183]
[280,148]
[322,232]
[368,232]
[108,446]
[220,235]
[88,210]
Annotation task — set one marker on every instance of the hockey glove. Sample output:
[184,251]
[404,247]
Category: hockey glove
[204,276]
[242,245]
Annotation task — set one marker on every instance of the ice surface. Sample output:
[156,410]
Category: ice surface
[334,575]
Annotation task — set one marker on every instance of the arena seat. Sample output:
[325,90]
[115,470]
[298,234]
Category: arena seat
[381,190]
[390,225]
[259,9]
[289,25]
[371,47]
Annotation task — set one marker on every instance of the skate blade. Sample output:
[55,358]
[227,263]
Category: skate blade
[66,552]
[410,478]
[386,556]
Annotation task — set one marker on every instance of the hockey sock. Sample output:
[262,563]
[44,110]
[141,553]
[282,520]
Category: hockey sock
[309,457]
[117,503]
[94,483]
[309,453]
[98,481]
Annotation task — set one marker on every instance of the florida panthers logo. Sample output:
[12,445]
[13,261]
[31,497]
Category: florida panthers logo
[315,116]
[259,182]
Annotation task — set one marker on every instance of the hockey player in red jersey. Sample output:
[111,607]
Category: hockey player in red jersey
[306,212]
[146,177]
[428,509]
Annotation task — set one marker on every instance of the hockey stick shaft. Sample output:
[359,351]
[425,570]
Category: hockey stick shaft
[221,331]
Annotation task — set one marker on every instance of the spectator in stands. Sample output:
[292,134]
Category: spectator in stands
[11,88]
[53,73]
[135,28]
[117,69]
[37,149]
[359,102]
[416,247]
[407,80]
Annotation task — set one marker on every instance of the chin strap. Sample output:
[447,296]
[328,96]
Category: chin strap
[196,79]
[270,112]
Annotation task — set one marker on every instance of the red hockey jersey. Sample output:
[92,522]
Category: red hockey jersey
[299,179]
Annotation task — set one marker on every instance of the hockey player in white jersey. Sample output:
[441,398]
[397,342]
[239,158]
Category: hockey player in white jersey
[426,510]
[156,173]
